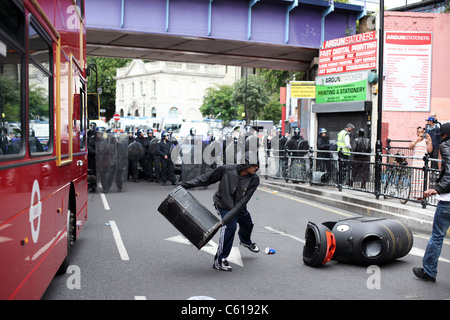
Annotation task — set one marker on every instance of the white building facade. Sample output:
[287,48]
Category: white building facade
[163,89]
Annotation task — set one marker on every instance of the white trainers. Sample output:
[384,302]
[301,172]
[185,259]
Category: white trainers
[222,265]
[252,247]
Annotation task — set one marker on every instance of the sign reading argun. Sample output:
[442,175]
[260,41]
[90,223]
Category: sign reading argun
[352,53]
[342,87]
[343,65]
[407,57]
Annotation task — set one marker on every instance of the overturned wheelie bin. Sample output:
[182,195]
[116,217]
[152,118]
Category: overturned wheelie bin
[190,217]
[360,240]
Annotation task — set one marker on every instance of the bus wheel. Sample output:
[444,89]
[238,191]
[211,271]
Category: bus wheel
[70,239]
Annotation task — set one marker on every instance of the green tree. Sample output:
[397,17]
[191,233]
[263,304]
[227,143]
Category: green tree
[275,79]
[9,100]
[217,103]
[278,78]
[106,71]
[253,92]
[38,102]
[272,111]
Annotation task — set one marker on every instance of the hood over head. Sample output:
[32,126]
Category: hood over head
[251,159]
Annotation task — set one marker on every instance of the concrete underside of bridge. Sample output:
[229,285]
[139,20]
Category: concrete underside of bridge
[272,34]
[198,50]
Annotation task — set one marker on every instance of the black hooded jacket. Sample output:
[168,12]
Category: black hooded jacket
[443,182]
[234,191]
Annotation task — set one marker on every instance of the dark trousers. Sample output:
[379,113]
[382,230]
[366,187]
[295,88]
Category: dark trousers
[133,170]
[227,232]
[154,169]
[167,170]
[435,155]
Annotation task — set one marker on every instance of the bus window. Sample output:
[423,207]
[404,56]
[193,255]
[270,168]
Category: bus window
[11,73]
[83,128]
[39,92]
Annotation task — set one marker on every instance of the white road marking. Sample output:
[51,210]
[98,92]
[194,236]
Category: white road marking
[140,298]
[120,246]
[309,203]
[105,202]
[419,252]
[414,250]
[285,234]
[211,248]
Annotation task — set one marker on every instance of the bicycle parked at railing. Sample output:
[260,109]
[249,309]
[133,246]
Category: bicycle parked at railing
[398,181]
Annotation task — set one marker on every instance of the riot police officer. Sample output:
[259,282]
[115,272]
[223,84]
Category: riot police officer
[143,161]
[164,151]
[154,169]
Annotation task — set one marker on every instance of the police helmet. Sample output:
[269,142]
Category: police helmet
[361,132]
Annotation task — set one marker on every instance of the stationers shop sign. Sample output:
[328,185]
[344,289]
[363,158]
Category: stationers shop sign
[343,68]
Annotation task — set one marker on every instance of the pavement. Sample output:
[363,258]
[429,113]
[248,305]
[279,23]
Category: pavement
[412,214]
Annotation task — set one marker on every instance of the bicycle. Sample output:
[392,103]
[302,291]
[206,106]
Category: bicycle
[398,183]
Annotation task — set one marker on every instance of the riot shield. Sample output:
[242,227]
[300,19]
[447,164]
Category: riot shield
[153,160]
[191,158]
[112,161]
[122,161]
[135,151]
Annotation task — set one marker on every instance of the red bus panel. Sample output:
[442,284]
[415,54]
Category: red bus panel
[43,154]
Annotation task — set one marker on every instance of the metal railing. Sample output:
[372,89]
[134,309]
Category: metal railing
[401,177]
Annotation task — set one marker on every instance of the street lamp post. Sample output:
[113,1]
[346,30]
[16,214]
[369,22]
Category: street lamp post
[378,147]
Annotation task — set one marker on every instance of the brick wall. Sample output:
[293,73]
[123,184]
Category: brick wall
[409,21]
[402,125]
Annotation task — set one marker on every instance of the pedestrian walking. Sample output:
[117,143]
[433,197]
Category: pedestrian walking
[237,184]
[441,221]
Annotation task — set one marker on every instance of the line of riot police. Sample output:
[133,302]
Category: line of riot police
[114,157]
[107,159]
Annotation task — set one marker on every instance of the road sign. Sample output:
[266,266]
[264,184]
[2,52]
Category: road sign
[116,117]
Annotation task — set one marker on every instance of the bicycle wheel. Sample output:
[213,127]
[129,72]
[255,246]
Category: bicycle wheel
[404,187]
[390,190]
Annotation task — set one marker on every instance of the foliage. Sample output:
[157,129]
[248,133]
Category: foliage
[263,95]
[277,78]
[106,71]
[217,103]
[10,100]
[251,90]
[38,102]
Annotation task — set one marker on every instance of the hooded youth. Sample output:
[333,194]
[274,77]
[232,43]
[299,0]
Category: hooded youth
[234,191]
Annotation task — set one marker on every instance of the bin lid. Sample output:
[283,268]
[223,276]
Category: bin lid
[320,245]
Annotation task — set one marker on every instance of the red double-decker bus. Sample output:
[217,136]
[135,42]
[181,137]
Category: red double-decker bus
[43,153]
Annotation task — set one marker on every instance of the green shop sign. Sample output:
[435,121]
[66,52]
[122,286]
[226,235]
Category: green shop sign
[353,91]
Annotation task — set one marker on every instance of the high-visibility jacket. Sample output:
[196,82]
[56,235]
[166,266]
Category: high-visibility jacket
[340,141]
